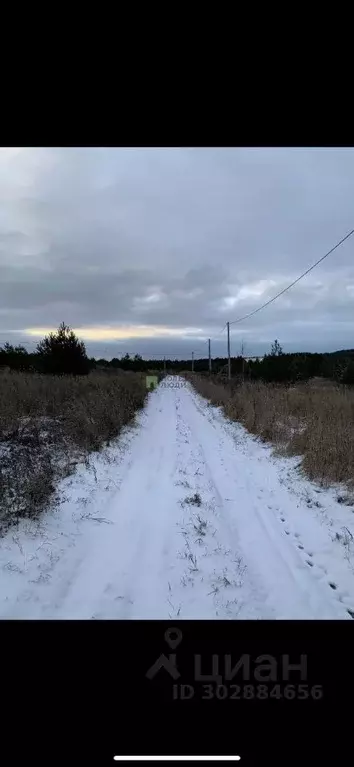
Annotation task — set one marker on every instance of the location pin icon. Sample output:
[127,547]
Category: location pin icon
[173,637]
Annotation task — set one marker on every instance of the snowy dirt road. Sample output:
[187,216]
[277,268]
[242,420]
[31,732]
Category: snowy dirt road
[186,516]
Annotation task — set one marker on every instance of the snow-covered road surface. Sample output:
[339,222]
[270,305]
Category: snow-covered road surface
[186,516]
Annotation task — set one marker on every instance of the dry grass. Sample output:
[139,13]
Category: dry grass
[48,424]
[314,422]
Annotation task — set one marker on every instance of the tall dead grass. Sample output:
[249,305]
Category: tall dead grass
[313,422]
[48,424]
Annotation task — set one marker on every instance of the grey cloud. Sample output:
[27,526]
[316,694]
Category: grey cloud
[162,237]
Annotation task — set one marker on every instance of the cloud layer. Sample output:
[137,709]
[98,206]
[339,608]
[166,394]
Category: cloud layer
[153,250]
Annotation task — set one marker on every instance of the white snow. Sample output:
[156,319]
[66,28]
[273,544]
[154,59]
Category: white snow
[126,542]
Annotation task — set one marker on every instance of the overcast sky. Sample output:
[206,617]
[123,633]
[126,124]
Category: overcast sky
[151,251]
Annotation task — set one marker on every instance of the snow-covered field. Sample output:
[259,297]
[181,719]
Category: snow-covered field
[185,516]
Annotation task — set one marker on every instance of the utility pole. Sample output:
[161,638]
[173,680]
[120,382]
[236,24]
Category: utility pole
[243,361]
[209,358]
[192,362]
[228,352]
[164,365]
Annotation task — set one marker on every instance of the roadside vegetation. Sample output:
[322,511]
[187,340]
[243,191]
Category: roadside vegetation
[305,419]
[52,420]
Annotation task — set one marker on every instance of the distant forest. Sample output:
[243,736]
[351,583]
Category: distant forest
[275,366]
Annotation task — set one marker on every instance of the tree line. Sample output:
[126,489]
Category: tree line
[62,353]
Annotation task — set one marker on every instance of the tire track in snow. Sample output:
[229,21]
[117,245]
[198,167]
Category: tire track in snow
[219,570]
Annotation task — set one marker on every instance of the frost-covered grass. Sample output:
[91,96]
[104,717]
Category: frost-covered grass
[315,423]
[47,424]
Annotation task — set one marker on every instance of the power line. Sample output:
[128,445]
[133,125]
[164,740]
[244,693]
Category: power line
[219,333]
[295,281]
